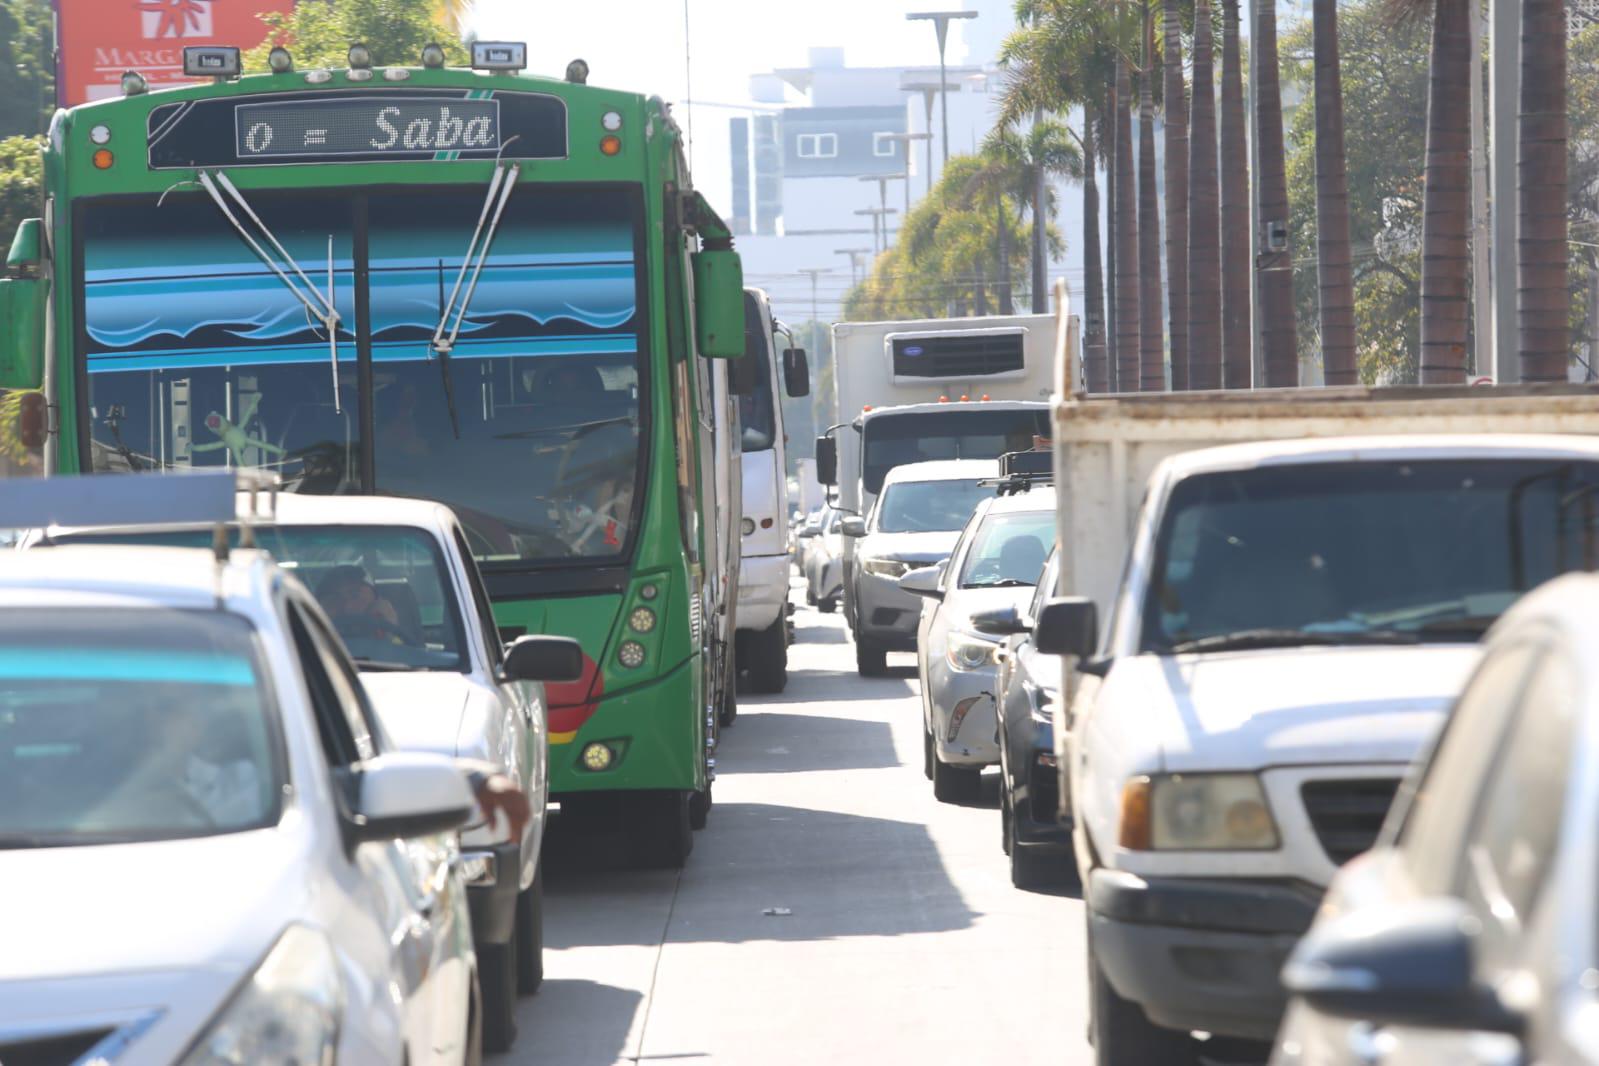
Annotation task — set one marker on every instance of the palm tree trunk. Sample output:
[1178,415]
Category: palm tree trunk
[1002,294]
[1274,267]
[1127,296]
[1040,301]
[1542,299]
[1445,257]
[1151,346]
[1237,337]
[1112,183]
[1334,268]
[1096,370]
[1176,101]
[1204,237]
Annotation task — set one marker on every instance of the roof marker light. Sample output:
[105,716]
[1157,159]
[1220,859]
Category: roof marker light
[866,407]
[984,397]
[965,398]
[943,399]
[396,74]
[360,57]
[279,61]
[318,77]
[133,83]
[577,72]
[433,55]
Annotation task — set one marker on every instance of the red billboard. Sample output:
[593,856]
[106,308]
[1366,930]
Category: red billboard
[99,39]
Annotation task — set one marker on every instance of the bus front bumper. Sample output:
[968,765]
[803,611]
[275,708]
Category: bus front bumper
[655,733]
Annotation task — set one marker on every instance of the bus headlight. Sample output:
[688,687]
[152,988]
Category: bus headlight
[892,568]
[969,652]
[1197,812]
[630,654]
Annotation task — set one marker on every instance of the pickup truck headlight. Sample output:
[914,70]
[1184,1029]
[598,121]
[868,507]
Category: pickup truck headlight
[1196,812]
[969,652]
[287,1011]
[892,568]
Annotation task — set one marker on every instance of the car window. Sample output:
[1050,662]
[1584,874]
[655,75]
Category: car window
[1008,550]
[928,506]
[341,722]
[1046,584]
[480,603]
[1511,842]
[1436,809]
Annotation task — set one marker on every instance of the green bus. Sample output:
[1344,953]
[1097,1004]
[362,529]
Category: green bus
[495,290]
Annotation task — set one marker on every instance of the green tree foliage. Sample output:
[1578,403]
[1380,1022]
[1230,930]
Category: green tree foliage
[320,34]
[21,184]
[27,69]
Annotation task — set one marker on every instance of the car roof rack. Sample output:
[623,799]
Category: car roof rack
[1020,471]
[245,497]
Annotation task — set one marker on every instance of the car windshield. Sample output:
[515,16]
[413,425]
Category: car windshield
[386,589]
[928,506]
[199,355]
[1352,552]
[131,724]
[1008,550]
[969,431]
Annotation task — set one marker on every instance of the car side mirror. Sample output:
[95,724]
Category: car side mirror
[827,460]
[1067,625]
[852,526]
[796,373]
[807,532]
[543,658]
[408,794]
[1402,964]
[924,582]
[1000,622]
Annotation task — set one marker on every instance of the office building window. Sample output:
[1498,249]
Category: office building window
[883,144]
[816,145]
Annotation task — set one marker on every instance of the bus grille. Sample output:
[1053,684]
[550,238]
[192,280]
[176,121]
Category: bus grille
[958,356]
[1347,815]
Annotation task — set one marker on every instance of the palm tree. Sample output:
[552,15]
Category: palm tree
[1176,101]
[454,13]
[1204,225]
[1237,330]
[1151,350]
[1125,220]
[1274,267]
[1542,298]
[1096,365]
[1334,268]
[1044,151]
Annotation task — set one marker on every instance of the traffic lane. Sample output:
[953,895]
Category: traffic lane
[831,910]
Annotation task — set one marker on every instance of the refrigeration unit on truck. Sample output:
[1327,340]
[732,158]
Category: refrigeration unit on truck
[1294,583]
[922,390]
[761,641]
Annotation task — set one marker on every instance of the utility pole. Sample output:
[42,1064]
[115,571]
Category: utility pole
[813,273]
[1504,105]
[882,197]
[879,224]
[1481,297]
[904,141]
[855,269]
[940,21]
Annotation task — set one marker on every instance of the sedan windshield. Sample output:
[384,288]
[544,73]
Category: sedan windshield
[1363,552]
[132,724]
[929,506]
[1009,550]
[385,588]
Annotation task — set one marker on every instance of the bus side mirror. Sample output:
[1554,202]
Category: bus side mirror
[796,373]
[826,460]
[22,311]
[719,303]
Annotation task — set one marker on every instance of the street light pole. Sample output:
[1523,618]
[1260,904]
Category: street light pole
[940,21]
[904,141]
[882,197]
[879,223]
[813,273]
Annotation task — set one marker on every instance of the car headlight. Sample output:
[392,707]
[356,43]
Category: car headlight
[1196,812]
[1041,701]
[969,652]
[894,568]
[287,1011]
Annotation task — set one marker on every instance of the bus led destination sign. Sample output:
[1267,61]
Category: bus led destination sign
[414,127]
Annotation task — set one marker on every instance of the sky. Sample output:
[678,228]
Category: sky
[638,45]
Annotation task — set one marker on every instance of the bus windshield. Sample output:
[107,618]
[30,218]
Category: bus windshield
[972,432]
[199,354]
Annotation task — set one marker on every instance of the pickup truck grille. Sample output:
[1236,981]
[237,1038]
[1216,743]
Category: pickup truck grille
[1348,814]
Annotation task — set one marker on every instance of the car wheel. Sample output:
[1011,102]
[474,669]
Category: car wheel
[768,660]
[497,977]
[472,1044]
[827,606]
[927,753]
[663,833]
[530,935]
[955,784]
[1007,824]
[699,808]
[871,658]
[727,713]
[1121,1033]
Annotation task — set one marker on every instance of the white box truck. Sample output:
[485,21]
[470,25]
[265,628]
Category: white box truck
[1292,584]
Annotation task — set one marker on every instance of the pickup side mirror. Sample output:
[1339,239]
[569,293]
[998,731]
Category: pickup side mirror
[22,311]
[718,303]
[852,525]
[924,582]
[827,460]
[796,373]
[1405,964]
[807,532]
[1000,622]
[408,794]
[1067,625]
[543,658]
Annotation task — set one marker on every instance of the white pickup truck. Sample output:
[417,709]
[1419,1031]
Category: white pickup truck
[1288,619]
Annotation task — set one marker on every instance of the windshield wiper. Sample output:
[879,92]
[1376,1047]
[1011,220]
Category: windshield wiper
[317,305]
[379,666]
[488,223]
[1472,625]
[1002,583]
[1245,639]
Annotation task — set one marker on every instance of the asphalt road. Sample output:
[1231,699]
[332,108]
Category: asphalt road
[832,912]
